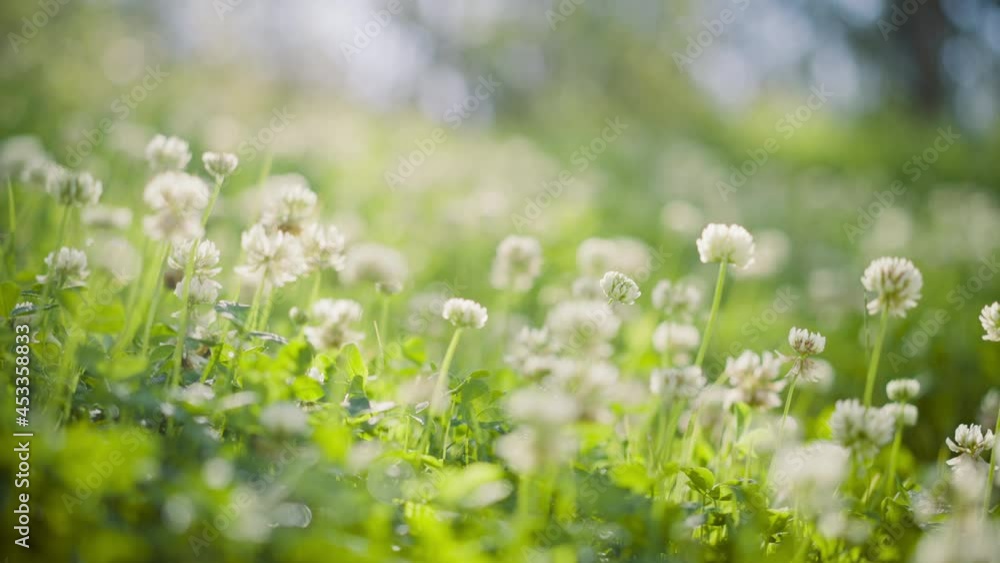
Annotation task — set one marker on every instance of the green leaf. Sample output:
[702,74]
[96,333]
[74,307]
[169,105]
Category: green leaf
[355,363]
[307,389]
[702,480]
[123,367]
[415,350]
[9,294]
[475,486]
[632,476]
[234,312]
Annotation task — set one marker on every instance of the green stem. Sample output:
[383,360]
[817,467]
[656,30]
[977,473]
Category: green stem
[154,301]
[873,366]
[716,301]
[896,442]
[185,312]
[993,464]
[255,304]
[788,404]
[441,385]
[49,285]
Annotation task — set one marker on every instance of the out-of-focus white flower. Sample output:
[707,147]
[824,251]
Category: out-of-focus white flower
[755,379]
[167,153]
[200,290]
[464,313]
[896,283]
[275,258]
[331,323]
[532,352]
[18,153]
[970,443]
[316,375]
[106,217]
[902,390]
[220,164]
[990,319]
[960,540]
[374,263]
[73,188]
[67,267]
[323,247]
[806,343]
[587,288]
[206,258]
[862,430]
[596,256]
[517,263]
[119,257]
[726,243]
[177,200]
[547,408]
[807,474]
[43,174]
[676,300]
[620,288]
[291,204]
[677,383]
[284,418]
[988,408]
[681,217]
[674,337]
[583,327]
[902,414]
[771,249]
[529,448]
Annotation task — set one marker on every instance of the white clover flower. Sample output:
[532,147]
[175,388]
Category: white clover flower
[284,418]
[200,290]
[323,247]
[587,288]
[291,204]
[517,264]
[674,337]
[726,243]
[201,324]
[67,267]
[177,200]
[77,189]
[583,327]
[464,313]
[988,408]
[167,153]
[533,352]
[44,174]
[756,379]
[206,258]
[902,413]
[862,430]
[377,264]
[970,443]
[275,258]
[119,257]
[19,152]
[620,288]
[529,448]
[678,300]
[220,164]
[902,390]
[106,217]
[677,383]
[806,343]
[990,319]
[540,407]
[331,323]
[896,283]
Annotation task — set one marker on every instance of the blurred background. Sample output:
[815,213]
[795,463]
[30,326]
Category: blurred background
[836,132]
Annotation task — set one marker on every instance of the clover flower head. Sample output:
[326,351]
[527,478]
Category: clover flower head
[67,267]
[583,327]
[271,258]
[620,288]
[862,429]
[970,442]
[896,283]
[177,200]
[595,256]
[106,217]
[677,383]
[539,407]
[200,290]
[988,408]
[731,244]
[806,343]
[73,188]
[675,337]
[374,263]
[756,379]
[517,264]
[676,300]
[323,247]
[19,152]
[990,319]
[331,323]
[533,352]
[220,164]
[464,313]
[291,204]
[807,474]
[902,390]
[902,413]
[284,418]
[167,153]
[205,260]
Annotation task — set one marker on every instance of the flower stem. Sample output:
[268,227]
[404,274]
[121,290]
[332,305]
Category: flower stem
[896,443]
[441,385]
[873,365]
[716,301]
[154,300]
[185,312]
[788,404]
[993,464]
[255,304]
